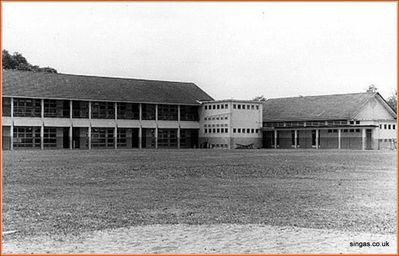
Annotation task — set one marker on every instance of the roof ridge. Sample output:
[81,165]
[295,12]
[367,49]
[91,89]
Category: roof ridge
[322,95]
[95,76]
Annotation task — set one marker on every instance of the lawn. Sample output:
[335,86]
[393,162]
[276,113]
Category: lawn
[60,192]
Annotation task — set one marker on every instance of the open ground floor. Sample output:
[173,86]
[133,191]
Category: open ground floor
[360,138]
[41,137]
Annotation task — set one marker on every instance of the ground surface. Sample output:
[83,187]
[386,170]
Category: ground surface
[73,198]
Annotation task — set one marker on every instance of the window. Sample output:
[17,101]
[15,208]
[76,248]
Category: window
[257,107]
[357,130]
[351,122]
[380,126]
[214,106]
[238,130]
[167,138]
[252,130]
[293,138]
[226,130]
[239,106]
[6,107]
[122,137]
[214,130]
[148,111]
[234,106]
[80,109]
[243,130]
[206,130]
[248,107]
[103,110]
[345,130]
[226,106]
[222,106]
[234,130]
[26,137]
[252,107]
[329,131]
[56,108]
[385,126]
[243,106]
[102,137]
[357,122]
[167,112]
[393,127]
[218,130]
[389,127]
[50,137]
[351,130]
[248,130]
[218,106]
[257,130]
[27,107]
[128,111]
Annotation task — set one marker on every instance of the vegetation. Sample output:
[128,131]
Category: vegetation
[260,98]
[19,62]
[393,100]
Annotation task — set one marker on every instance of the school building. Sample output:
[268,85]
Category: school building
[53,111]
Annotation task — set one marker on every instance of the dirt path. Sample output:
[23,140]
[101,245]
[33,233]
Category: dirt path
[223,238]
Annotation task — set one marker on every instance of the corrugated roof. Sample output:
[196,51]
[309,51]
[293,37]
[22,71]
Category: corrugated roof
[324,107]
[65,86]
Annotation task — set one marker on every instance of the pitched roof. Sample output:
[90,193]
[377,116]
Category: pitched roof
[324,107]
[65,86]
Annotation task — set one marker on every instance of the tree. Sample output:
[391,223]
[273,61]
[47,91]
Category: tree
[372,88]
[392,100]
[19,62]
[259,98]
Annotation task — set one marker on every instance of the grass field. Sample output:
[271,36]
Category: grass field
[70,192]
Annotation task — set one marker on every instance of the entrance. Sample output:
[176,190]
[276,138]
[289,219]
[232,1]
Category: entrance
[268,139]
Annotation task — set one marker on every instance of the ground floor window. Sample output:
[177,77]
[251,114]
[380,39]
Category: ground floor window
[26,137]
[122,138]
[50,137]
[167,138]
[102,137]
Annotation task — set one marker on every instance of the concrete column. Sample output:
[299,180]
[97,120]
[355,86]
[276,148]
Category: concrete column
[42,126]
[363,139]
[140,136]
[89,128]
[71,124]
[116,126]
[178,136]
[339,138]
[275,139]
[178,129]
[12,125]
[156,128]
[317,138]
[296,138]
[140,128]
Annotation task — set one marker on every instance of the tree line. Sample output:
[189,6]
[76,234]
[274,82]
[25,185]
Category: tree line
[18,62]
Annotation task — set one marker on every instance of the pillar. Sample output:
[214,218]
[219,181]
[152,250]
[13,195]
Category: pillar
[275,139]
[339,139]
[178,129]
[141,127]
[42,126]
[296,138]
[89,128]
[317,138]
[71,124]
[156,127]
[140,137]
[12,125]
[363,139]
[116,126]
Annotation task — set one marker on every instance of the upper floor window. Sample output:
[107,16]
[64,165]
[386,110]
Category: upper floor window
[6,107]
[189,113]
[56,108]
[27,107]
[103,110]
[80,109]
[148,111]
[128,111]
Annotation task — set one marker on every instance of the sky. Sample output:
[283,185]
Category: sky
[231,50]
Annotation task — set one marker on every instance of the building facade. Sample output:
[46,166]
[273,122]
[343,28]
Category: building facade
[55,111]
[342,121]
